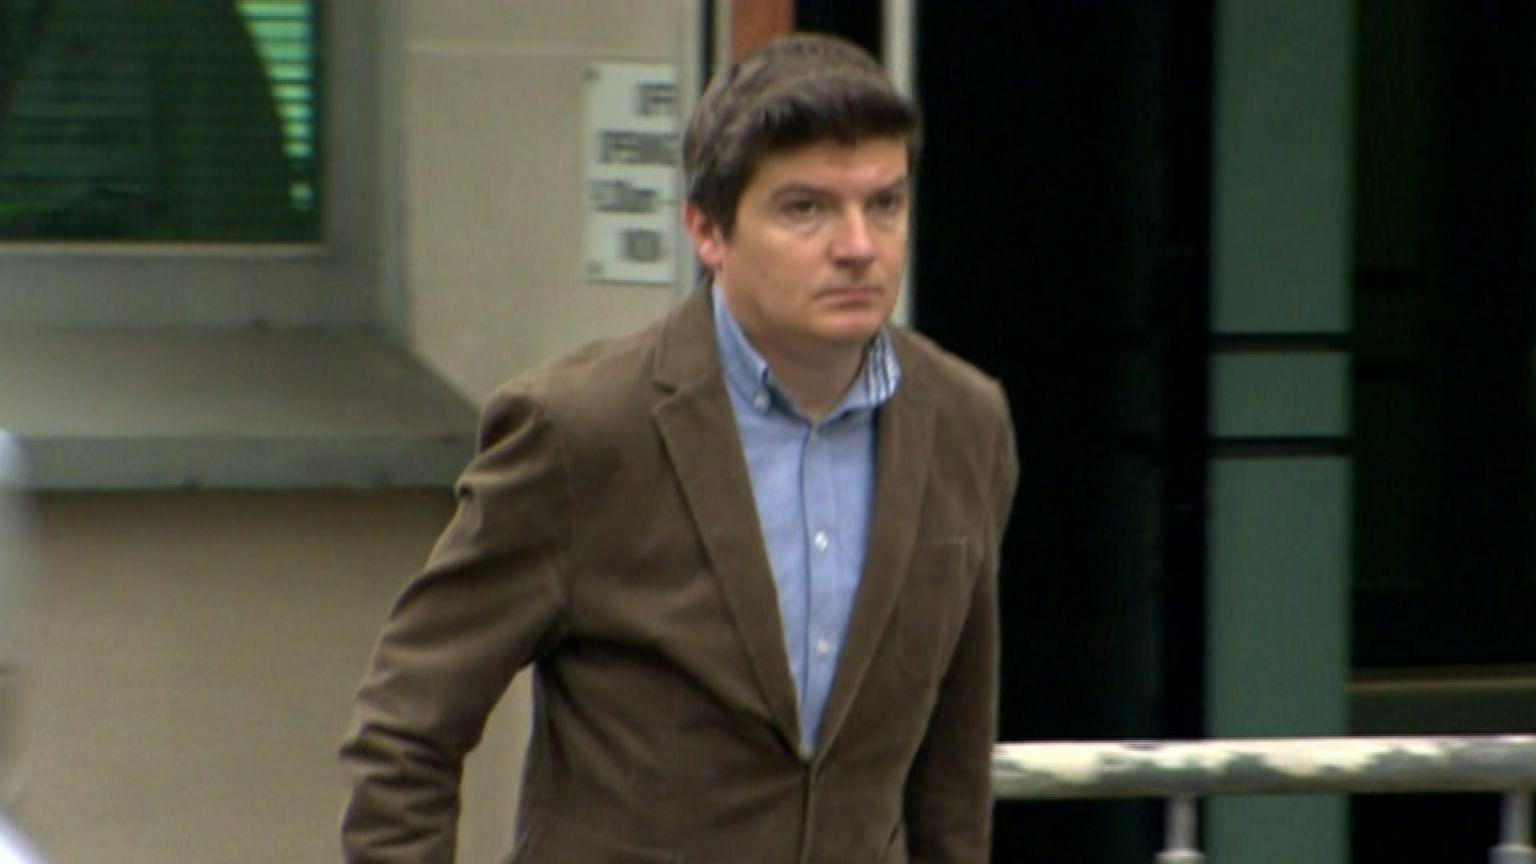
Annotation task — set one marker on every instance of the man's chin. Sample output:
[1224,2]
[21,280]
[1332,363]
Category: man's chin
[851,331]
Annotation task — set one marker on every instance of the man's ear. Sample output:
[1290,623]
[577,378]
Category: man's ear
[708,239]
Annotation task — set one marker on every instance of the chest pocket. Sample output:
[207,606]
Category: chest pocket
[933,605]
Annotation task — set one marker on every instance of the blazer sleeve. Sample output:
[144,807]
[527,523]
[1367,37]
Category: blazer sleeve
[488,602]
[948,796]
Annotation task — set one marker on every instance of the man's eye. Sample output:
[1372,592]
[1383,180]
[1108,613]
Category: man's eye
[801,208]
[888,203]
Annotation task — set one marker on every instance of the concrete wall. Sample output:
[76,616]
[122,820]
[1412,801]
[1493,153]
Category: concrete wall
[198,650]
[491,167]
[493,178]
[195,657]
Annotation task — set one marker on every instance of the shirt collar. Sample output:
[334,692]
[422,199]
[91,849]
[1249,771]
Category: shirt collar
[747,373]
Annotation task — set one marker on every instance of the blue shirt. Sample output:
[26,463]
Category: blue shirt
[814,490]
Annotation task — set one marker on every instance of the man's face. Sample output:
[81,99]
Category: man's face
[815,258]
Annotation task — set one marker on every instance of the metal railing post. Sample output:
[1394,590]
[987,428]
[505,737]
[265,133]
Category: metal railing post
[1514,831]
[1183,831]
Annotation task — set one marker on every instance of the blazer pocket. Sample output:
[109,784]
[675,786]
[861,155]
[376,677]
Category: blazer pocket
[557,841]
[932,607]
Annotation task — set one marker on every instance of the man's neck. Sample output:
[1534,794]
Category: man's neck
[815,377]
[815,380]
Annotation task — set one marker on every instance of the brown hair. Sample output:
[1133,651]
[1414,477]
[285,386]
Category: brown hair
[793,92]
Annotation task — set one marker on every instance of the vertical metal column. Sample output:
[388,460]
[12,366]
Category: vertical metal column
[725,25]
[691,64]
[1514,831]
[898,24]
[1278,571]
[1183,833]
[898,46]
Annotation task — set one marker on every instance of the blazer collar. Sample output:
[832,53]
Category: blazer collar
[696,422]
[904,446]
[685,355]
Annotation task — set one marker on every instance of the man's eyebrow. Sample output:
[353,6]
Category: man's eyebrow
[788,190]
[791,190]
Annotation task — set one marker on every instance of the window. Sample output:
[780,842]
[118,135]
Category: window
[306,247]
[169,121]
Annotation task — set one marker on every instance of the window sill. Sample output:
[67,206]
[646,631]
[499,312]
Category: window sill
[159,409]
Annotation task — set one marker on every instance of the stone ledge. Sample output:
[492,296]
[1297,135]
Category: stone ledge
[147,409]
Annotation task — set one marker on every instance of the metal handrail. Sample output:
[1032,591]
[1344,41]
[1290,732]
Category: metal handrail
[1182,772]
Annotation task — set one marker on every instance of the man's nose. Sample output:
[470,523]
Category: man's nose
[853,243]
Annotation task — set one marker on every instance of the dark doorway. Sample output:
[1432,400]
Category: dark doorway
[1445,423]
[1062,245]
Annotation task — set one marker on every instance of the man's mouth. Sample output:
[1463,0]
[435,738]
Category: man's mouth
[850,292]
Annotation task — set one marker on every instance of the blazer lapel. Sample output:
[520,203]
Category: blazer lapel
[698,425]
[903,450]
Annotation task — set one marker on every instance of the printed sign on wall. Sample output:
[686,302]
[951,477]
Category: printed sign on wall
[633,155]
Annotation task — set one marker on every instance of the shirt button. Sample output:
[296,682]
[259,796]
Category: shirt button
[823,647]
[760,401]
[822,541]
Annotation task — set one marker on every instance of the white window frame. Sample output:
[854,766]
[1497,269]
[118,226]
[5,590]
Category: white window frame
[340,282]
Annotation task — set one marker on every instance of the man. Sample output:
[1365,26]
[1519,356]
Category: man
[750,552]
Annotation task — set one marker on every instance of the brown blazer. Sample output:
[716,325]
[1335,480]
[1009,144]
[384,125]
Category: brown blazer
[606,534]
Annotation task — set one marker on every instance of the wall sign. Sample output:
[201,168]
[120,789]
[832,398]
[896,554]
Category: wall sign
[633,157]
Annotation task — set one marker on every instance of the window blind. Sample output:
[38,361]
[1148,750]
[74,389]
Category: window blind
[160,120]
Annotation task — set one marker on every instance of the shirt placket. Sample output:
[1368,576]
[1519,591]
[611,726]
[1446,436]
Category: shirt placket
[819,503]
